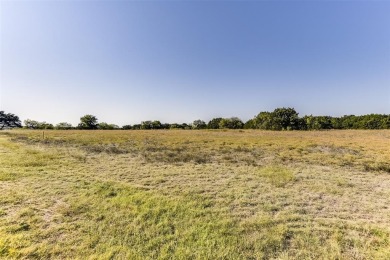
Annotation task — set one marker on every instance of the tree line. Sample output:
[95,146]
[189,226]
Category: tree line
[279,119]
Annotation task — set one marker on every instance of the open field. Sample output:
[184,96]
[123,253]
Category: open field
[171,194]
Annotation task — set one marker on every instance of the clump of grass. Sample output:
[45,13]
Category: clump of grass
[344,183]
[377,167]
[277,175]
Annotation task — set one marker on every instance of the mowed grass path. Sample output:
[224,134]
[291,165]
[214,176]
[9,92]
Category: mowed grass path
[195,195]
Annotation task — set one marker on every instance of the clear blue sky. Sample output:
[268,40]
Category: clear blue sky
[173,61]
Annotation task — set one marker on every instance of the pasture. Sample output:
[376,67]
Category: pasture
[189,194]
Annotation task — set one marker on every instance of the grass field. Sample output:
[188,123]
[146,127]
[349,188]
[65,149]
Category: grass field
[174,194]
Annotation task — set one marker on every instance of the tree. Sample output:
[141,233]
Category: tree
[336,123]
[385,122]
[33,124]
[318,122]
[9,120]
[88,122]
[199,124]
[44,125]
[156,124]
[263,121]
[147,125]
[250,124]
[106,126]
[137,127]
[285,119]
[166,126]
[175,126]
[185,126]
[214,123]
[63,126]
[231,123]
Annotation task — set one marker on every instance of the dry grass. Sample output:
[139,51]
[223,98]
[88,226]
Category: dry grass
[195,194]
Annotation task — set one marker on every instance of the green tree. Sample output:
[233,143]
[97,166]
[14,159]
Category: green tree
[137,127]
[263,121]
[348,122]
[336,123]
[127,127]
[166,126]
[33,124]
[250,124]
[175,126]
[44,125]
[63,126]
[231,123]
[318,122]
[214,123]
[385,122]
[106,126]
[285,119]
[88,122]
[199,124]
[8,120]
[147,125]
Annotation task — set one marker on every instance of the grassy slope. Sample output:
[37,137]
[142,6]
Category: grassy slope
[195,194]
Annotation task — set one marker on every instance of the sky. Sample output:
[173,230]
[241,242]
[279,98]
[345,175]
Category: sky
[178,61]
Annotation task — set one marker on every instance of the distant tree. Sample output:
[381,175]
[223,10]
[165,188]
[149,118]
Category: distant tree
[318,122]
[300,124]
[147,125]
[175,126]
[385,122]
[199,124]
[8,120]
[165,126]
[44,125]
[88,122]
[250,124]
[285,119]
[127,127]
[263,121]
[31,124]
[106,126]
[137,127]
[214,123]
[336,123]
[231,123]
[156,124]
[185,126]
[63,126]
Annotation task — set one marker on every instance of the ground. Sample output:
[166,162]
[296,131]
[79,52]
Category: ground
[188,194]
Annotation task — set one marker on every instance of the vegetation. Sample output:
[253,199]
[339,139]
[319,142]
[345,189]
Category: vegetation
[106,126]
[231,123]
[88,122]
[277,120]
[199,124]
[33,124]
[8,120]
[214,123]
[63,126]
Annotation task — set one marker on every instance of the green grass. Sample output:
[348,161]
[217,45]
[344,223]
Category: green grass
[277,175]
[194,195]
